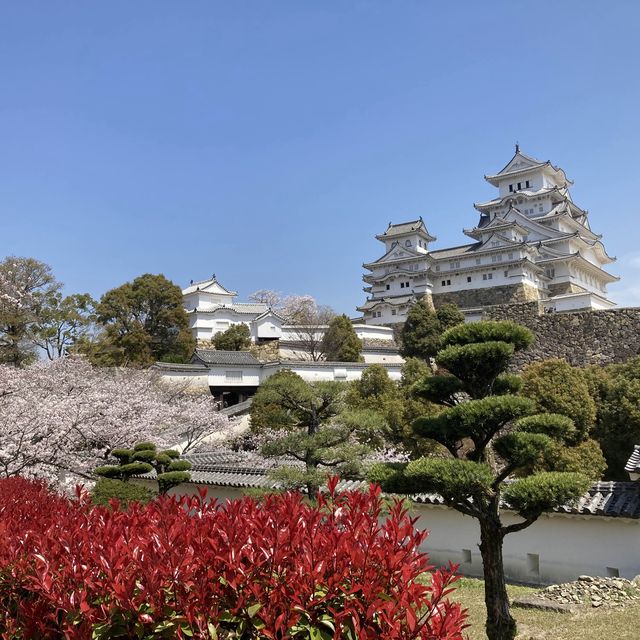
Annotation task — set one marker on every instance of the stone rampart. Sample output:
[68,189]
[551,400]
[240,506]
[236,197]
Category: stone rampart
[580,337]
[474,298]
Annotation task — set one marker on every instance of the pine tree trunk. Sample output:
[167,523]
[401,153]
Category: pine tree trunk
[500,624]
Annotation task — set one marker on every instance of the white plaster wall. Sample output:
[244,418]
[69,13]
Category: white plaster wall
[343,371]
[251,376]
[536,182]
[382,357]
[567,546]
[365,331]
[267,327]
[195,380]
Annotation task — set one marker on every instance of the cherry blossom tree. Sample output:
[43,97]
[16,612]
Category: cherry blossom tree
[63,418]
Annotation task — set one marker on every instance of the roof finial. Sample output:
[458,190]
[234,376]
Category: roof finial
[517,147]
[213,277]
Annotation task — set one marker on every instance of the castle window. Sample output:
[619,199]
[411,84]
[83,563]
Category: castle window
[506,274]
[388,287]
[510,188]
[519,186]
[511,255]
[402,285]
[527,184]
[448,282]
[444,283]
[478,260]
[406,284]
[484,276]
[407,243]
[437,267]
[495,243]
[468,278]
[393,312]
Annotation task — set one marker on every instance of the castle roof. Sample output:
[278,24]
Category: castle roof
[212,356]
[243,308]
[208,286]
[522,163]
[406,228]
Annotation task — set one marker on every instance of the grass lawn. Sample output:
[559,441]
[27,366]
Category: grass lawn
[592,624]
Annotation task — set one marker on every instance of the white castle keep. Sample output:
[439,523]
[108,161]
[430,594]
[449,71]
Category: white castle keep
[532,243]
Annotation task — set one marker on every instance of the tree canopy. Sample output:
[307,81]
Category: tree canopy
[340,342]
[310,424]
[143,321]
[420,335]
[25,286]
[236,338]
[66,416]
[501,449]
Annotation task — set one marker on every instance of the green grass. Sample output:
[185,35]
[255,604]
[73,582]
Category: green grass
[590,624]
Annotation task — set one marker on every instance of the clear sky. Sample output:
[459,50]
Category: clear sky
[268,142]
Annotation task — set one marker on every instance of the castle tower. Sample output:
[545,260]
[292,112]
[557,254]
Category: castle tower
[531,243]
[400,276]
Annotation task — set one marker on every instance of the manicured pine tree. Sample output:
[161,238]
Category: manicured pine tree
[501,451]
[310,423]
[143,458]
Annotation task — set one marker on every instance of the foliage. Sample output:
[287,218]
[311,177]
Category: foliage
[63,323]
[143,458]
[309,423]
[557,387]
[340,342]
[396,404]
[308,322]
[25,285]
[275,568]
[615,390]
[236,338]
[125,493]
[66,417]
[143,321]
[422,331]
[493,435]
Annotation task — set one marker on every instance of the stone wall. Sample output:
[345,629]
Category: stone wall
[474,298]
[580,337]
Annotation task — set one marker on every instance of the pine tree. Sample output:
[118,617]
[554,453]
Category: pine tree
[340,342]
[143,458]
[500,450]
[310,423]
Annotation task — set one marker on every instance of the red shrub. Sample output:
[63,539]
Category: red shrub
[276,568]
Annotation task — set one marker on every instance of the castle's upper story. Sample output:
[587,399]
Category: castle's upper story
[531,242]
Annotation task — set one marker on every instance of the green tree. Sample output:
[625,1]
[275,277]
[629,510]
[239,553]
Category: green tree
[236,338]
[557,387]
[143,458]
[490,439]
[420,334]
[143,321]
[63,323]
[25,285]
[340,343]
[310,423]
[395,403]
[616,390]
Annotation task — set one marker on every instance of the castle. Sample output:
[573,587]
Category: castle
[531,243]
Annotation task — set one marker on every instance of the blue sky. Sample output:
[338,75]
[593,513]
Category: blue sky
[268,142]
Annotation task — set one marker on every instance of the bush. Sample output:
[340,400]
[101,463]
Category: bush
[275,568]
[125,492]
